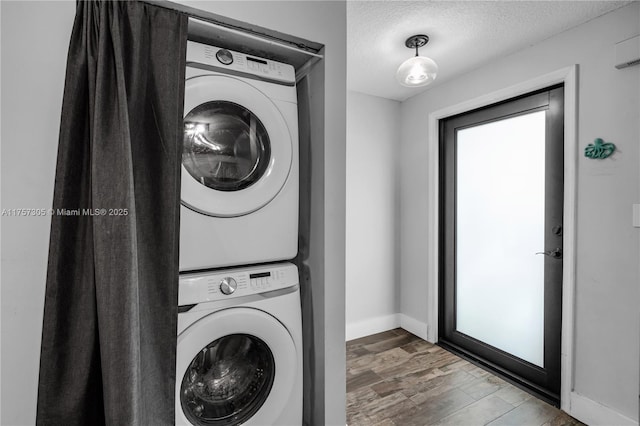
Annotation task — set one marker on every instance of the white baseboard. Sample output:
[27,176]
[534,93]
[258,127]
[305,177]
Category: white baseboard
[595,414]
[414,326]
[371,326]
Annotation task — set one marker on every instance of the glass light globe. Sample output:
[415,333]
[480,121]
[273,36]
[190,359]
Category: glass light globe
[417,71]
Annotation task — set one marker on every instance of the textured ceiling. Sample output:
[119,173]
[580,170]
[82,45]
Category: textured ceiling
[463,35]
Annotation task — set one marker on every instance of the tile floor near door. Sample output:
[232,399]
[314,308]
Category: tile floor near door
[396,378]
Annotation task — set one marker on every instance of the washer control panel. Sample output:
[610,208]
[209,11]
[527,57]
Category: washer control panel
[231,61]
[230,283]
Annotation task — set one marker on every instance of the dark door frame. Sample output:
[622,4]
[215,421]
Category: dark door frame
[568,76]
[544,382]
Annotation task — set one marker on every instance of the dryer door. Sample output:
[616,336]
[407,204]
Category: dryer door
[235,366]
[237,148]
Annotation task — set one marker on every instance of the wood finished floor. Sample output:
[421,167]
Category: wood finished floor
[396,378]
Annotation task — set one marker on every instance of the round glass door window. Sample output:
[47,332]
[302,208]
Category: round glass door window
[228,381]
[226,147]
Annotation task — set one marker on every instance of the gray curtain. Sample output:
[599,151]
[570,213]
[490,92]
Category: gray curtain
[109,330]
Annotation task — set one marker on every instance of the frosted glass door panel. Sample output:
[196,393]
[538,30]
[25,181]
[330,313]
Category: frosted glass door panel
[500,172]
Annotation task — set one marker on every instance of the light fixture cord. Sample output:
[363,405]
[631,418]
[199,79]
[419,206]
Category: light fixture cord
[416,48]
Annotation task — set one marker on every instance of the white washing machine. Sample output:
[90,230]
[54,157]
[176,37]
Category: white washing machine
[239,351]
[240,163]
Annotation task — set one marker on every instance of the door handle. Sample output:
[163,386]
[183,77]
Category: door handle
[555,253]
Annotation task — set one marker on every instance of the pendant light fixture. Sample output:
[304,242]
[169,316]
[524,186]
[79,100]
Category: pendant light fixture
[419,70]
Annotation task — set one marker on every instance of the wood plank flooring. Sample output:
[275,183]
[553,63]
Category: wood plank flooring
[396,378]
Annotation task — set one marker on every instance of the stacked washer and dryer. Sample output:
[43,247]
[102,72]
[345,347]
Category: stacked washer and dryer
[239,351]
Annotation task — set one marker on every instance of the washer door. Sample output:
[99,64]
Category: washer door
[235,366]
[237,148]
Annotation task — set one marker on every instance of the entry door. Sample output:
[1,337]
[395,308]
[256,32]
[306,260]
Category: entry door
[501,238]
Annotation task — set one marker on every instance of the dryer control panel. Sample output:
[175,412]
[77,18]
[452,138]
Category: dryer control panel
[231,62]
[231,283]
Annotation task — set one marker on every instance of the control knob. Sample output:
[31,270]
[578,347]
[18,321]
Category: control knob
[228,285]
[224,57]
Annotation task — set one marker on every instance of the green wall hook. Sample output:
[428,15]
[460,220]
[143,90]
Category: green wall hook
[599,149]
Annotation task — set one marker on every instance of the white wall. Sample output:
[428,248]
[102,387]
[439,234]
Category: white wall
[607,329]
[372,226]
[35,40]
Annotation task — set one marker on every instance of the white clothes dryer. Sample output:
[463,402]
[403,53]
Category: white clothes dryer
[239,191]
[239,351]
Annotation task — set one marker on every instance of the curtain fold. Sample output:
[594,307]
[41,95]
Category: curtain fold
[110,317]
